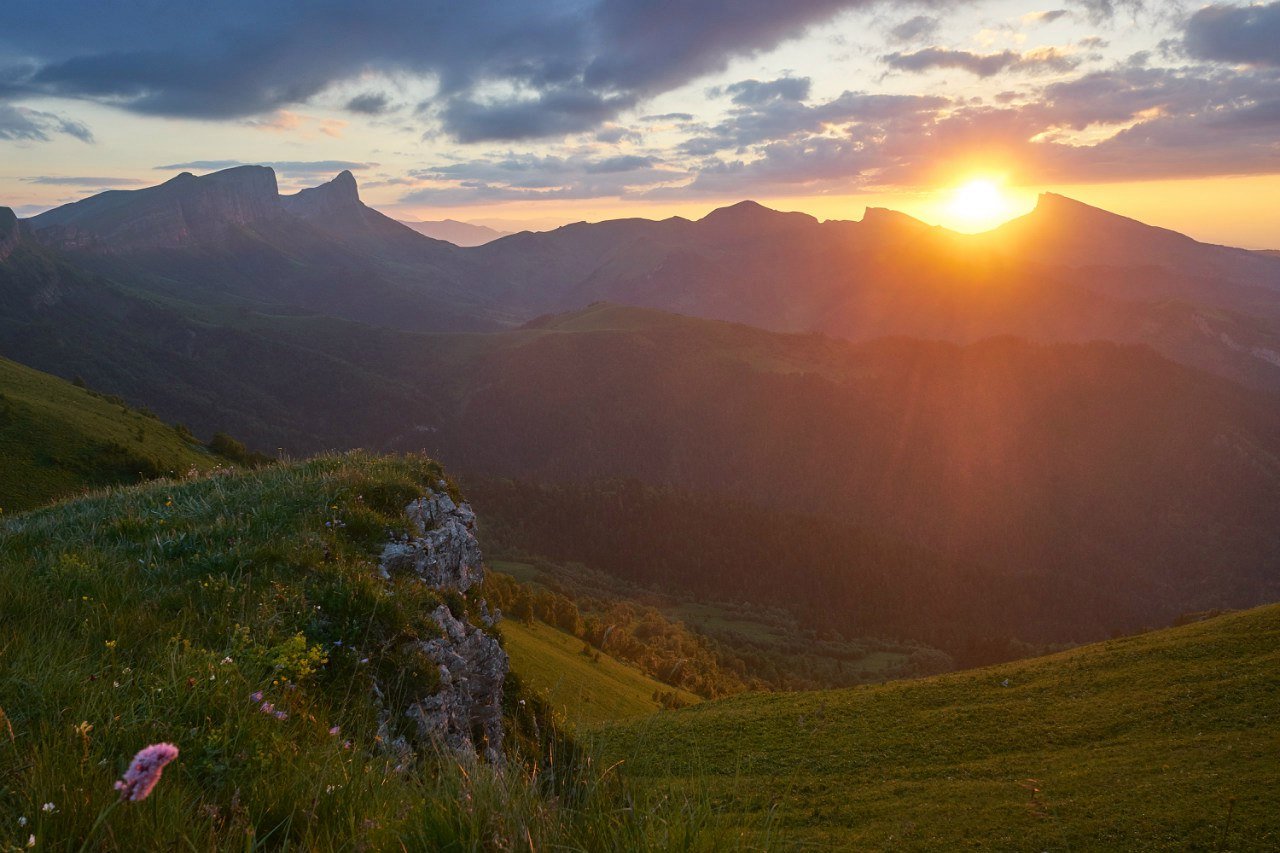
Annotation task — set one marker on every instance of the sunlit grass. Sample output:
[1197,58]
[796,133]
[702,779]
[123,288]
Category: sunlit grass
[155,613]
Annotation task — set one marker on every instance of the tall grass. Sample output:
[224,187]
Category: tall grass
[156,613]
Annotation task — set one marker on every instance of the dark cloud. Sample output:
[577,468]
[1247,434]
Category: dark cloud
[919,28]
[371,104]
[754,92]
[623,163]
[1236,34]
[26,125]
[983,64]
[573,65]
[70,181]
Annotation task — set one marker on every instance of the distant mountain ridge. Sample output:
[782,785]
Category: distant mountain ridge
[464,234]
[1065,272]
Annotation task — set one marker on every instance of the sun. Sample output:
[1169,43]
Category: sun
[979,203]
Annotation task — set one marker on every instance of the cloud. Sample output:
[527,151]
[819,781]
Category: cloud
[1236,34]
[915,29]
[21,124]
[572,175]
[69,181]
[1104,10]
[1048,17]
[1046,59]
[370,103]
[563,68]
[753,92]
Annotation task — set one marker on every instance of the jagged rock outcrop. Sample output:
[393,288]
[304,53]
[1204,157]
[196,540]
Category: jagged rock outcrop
[338,197]
[473,668]
[442,551]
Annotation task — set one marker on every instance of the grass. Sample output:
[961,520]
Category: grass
[152,613]
[588,691]
[57,439]
[1169,740]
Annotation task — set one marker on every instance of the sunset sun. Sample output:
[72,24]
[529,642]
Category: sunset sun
[979,203]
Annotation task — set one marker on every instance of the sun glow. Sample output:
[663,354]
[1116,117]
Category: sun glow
[979,204]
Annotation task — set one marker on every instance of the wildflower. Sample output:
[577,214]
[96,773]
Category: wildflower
[144,772]
[256,697]
[22,821]
[31,841]
[268,708]
[111,644]
[49,807]
[334,731]
[227,660]
[281,715]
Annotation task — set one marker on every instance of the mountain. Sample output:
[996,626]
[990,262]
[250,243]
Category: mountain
[9,232]
[57,439]
[228,370]
[455,232]
[1065,273]
[892,275]
[1028,466]
[1124,257]
[228,240]
[1155,742]
[183,211]
[1055,485]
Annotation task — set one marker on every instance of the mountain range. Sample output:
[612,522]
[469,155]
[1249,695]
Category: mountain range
[1069,425]
[1065,272]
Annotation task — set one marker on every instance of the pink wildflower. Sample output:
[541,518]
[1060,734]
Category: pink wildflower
[268,708]
[334,731]
[281,715]
[255,697]
[144,772]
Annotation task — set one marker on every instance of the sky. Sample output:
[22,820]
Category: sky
[533,114]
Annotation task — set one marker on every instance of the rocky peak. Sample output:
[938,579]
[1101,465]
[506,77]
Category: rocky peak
[882,218]
[185,210]
[751,216]
[335,198]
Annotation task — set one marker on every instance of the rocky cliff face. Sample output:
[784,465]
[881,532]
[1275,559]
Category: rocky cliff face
[464,715]
[183,211]
[339,197]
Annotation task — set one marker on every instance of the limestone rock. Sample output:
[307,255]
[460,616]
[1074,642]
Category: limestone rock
[473,668]
[444,553]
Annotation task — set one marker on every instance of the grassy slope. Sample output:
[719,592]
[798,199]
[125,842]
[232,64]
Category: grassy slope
[56,439]
[587,692]
[1160,741]
[152,613]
